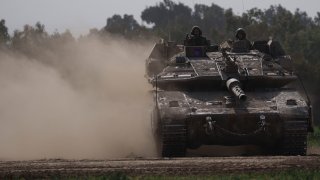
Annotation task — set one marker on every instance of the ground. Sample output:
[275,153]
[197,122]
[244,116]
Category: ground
[159,166]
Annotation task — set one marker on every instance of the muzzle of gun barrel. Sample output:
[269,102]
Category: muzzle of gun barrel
[234,86]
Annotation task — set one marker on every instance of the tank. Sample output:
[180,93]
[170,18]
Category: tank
[227,95]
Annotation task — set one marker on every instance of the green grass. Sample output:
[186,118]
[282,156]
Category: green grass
[286,175]
[314,138]
[111,176]
[312,175]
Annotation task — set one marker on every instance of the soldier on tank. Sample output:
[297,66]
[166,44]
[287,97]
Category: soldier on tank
[195,38]
[241,44]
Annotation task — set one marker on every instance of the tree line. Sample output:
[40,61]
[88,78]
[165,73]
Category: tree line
[298,33]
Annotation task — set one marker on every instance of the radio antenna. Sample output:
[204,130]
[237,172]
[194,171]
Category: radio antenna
[242,6]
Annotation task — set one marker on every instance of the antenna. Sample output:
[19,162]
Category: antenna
[156,77]
[305,90]
[242,6]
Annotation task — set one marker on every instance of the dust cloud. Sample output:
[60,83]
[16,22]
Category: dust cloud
[80,100]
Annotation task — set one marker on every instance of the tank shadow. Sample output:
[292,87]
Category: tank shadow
[224,151]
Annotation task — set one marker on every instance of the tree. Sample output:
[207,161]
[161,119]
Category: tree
[232,22]
[317,19]
[30,40]
[4,35]
[169,19]
[125,25]
[211,19]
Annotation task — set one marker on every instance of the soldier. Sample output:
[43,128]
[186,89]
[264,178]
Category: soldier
[195,38]
[242,36]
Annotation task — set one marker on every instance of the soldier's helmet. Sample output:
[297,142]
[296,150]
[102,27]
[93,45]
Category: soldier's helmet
[194,28]
[241,34]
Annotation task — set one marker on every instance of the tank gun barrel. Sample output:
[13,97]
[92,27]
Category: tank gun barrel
[229,59]
[233,86]
[231,65]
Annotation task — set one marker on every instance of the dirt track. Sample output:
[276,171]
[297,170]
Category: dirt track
[178,166]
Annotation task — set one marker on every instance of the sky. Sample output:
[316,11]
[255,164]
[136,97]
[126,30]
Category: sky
[81,15]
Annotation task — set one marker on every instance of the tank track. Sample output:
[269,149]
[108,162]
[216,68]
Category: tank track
[174,139]
[294,140]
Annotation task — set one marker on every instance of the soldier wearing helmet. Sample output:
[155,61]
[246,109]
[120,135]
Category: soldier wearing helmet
[241,41]
[241,34]
[195,38]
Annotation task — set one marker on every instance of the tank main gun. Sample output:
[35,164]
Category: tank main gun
[233,86]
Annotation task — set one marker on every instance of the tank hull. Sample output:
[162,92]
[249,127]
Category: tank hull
[209,118]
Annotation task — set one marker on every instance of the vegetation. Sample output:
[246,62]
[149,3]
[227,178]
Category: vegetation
[296,31]
[288,175]
[314,139]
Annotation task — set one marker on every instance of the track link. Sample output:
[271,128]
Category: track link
[174,135]
[294,138]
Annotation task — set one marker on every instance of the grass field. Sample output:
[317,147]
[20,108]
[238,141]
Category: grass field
[314,139]
[287,175]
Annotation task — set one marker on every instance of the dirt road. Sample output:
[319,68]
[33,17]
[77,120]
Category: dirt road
[175,166]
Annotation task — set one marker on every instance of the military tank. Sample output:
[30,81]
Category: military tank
[227,95]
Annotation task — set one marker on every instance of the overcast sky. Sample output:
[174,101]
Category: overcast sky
[81,15]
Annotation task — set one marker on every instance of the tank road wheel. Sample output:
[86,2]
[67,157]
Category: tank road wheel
[172,141]
[294,140]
